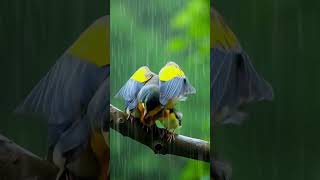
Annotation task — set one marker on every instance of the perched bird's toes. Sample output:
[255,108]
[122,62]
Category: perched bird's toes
[129,117]
[171,137]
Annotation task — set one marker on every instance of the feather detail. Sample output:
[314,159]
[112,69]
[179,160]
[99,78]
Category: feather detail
[174,85]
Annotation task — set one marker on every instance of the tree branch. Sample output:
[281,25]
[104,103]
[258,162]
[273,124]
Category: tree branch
[18,163]
[182,145]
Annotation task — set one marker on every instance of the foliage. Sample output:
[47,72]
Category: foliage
[194,21]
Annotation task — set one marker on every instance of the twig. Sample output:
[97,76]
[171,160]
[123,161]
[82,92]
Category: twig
[18,163]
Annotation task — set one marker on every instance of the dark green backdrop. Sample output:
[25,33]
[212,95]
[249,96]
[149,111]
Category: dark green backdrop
[280,139]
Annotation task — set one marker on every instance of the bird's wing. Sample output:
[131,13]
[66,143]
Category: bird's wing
[93,43]
[66,90]
[91,130]
[174,85]
[234,81]
[131,88]
[98,108]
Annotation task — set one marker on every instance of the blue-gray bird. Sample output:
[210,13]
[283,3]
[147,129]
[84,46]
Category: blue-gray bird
[74,97]
[152,97]
[234,81]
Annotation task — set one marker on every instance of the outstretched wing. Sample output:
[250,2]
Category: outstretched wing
[234,81]
[66,90]
[95,119]
[174,85]
[132,87]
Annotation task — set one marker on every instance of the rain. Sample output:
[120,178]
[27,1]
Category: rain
[152,33]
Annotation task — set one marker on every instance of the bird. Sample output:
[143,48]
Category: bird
[74,98]
[130,90]
[151,97]
[149,106]
[234,83]
[171,120]
[141,96]
[234,80]
[150,109]
[174,85]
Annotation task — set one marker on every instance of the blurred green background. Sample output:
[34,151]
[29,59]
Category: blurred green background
[280,139]
[151,33]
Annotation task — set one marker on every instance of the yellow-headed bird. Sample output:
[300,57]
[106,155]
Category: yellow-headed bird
[150,97]
[74,96]
[174,85]
[234,81]
[142,95]
[171,120]
[130,90]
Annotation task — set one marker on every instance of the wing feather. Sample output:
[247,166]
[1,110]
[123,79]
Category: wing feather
[174,85]
[129,91]
[64,93]
[234,80]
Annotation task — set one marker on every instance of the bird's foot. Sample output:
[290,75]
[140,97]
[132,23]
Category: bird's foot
[171,136]
[130,117]
[163,132]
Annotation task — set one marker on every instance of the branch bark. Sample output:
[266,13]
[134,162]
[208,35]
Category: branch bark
[182,145]
[18,163]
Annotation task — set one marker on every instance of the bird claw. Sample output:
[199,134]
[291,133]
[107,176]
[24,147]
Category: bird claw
[171,137]
[130,117]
